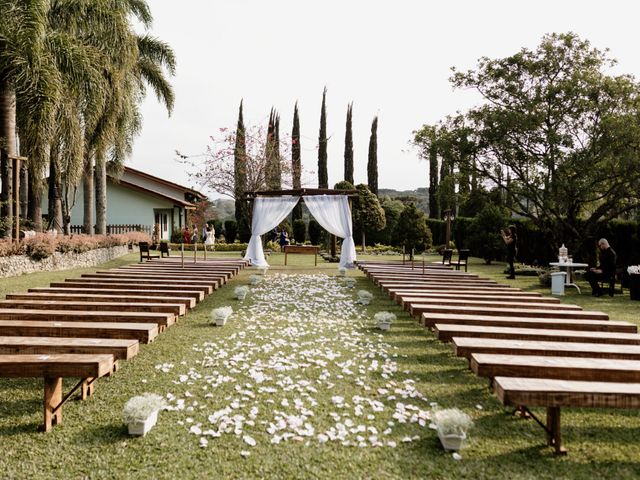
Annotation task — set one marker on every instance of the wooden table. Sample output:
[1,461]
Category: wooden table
[304,249]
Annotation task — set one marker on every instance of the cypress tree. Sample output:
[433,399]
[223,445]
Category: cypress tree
[240,179]
[348,147]
[434,204]
[270,168]
[296,164]
[277,167]
[372,164]
[323,176]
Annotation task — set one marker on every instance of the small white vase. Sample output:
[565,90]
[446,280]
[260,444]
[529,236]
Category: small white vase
[365,301]
[383,326]
[221,321]
[240,296]
[452,442]
[141,428]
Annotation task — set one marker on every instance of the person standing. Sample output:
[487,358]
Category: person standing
[510,238]
[209,236]
[186,235]
[194,234]
[606,271]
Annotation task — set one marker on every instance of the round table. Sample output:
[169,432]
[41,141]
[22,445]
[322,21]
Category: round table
[569,266]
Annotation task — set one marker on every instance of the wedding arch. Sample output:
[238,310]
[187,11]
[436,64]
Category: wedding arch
[330,208]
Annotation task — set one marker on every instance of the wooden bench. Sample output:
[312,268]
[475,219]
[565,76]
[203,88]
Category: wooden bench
[145,252]
[555,394]
[302,249]
[53,368]
[177,309]
[121,349]
[131,286]
[210,279]
[418,309]
[143,332]
[465,346]
[446,332]
[531,304]
[431,319]
[163,320]
[188,302]
[196,295]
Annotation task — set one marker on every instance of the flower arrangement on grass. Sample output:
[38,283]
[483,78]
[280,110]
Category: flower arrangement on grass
[220,315]
[263,270]
[364,297]
[452,425]
[255,279]
[140,413]
[384,319]
[350,282]
[633,270]
[342,271]
[241,292]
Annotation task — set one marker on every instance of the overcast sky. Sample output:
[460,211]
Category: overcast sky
[390,58]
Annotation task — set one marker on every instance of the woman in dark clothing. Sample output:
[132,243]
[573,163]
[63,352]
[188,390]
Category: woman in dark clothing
[510,239]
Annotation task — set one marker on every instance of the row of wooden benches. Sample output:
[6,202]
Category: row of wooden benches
[82,327]
[536,351]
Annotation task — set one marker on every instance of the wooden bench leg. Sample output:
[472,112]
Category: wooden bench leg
[87,388]
[52,401]
[554,438]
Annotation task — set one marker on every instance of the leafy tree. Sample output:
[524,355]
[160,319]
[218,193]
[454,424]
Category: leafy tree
[348,146]
[426,140]
[344,185]
[316,232]
[484,234]
[230,231]
[323,176]
[273,169]
[559,135]
[372,163]
[367,213]
[299,230]
[240,179]
[392,210]
[296,163]
[411,230]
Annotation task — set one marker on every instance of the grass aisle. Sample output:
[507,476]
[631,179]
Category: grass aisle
[299,384]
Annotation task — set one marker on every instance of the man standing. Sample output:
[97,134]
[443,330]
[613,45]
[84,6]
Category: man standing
[605,272]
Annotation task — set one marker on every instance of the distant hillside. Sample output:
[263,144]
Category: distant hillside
[420,196]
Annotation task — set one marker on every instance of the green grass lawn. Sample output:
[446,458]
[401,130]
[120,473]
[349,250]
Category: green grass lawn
[298,351]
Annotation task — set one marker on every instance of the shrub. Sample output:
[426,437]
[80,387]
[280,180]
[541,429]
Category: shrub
[230,230]
[40,247]
[485,241]
[412,230]
[316,232]
[299,230]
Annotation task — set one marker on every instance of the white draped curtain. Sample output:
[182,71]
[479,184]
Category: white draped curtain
[268,213]
[334,214]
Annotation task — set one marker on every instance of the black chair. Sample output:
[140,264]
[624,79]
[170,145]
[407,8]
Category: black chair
[164,249]
[145,252]
[611,282]
[447,254]
[463,259]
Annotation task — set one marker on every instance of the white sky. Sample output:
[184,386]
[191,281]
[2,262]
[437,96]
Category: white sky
[391,58]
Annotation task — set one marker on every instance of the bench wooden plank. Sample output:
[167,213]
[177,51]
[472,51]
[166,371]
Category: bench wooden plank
[131,286]
[465,346]
[121,349]
[96,297]
[162,319]
[212,284]
[409,302]
[430,319]
[446,332]
[562,368]
[197,278]
[173,308]
[510,293]
[386,286]
[420,308]
[197,295]
[143,332]
[446,297]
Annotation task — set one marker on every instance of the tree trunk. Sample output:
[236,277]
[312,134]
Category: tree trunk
[35,201]
[101,193]
[88,196]
[55,201]
[364,247]
[7,149]
[24,189]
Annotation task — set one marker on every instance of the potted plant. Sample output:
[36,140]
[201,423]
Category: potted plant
[634,282]
[141,413]
[220,315]
[350,282]
[384,320]
[364,297]
[241,292]
[452,425]
[255,279]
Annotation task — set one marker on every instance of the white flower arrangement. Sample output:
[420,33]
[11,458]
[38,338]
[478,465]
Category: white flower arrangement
[633,270]
[241,292]
[384,319]
[263,270]
[220,315]
[350,282]
[342,271]
[364,297]
[141,413]
[255,279]
[452,421]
